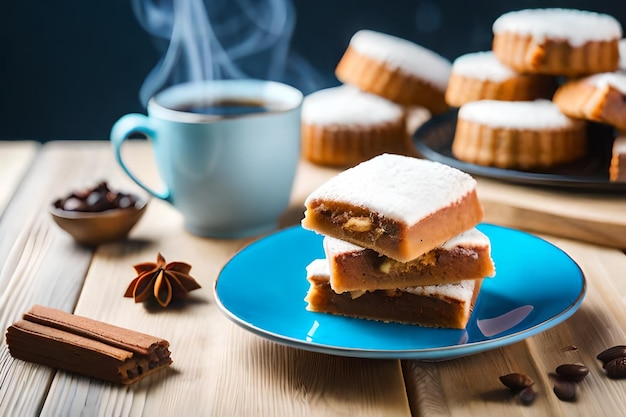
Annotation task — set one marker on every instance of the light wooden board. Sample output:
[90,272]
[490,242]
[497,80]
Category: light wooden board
[219,369]
[470,386]
[590,217]
[15,159]
[40,263]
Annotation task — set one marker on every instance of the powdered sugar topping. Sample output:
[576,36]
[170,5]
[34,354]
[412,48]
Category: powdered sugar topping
[405,55]
[399,187]
[318,267]
[469,238]
[347,105]
[575,26]
[622,55]
[462,290]
[538,114]
[616,80]
[482,66]
[619,145]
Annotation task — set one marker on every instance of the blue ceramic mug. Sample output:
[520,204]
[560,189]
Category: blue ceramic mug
[226,150]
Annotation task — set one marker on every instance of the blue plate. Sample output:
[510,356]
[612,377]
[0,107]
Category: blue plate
[536,287]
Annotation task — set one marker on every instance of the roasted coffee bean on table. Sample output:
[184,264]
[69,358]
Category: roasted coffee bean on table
[611,353]
[573,372]
[616,368]
[96,199]
[527,395]
[565,390]
[516,381]
[520,384]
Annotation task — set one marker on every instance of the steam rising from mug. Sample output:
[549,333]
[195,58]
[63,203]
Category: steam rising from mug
[223,39]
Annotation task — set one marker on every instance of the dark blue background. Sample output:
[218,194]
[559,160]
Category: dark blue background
[69,69]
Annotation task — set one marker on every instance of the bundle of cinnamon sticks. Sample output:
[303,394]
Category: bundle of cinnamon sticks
[62,340]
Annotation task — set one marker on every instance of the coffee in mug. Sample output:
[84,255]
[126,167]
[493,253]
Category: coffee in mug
[230,108]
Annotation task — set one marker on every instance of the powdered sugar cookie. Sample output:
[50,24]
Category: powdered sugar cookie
[481,76]
[344,126]
[396,69]
[557,41]
[517,134]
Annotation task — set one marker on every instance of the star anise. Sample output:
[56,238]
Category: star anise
[161,280]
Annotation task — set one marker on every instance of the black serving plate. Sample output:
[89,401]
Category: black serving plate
[433,141]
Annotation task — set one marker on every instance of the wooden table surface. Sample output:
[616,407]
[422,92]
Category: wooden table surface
[221,369]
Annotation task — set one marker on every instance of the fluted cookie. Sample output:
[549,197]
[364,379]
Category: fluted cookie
[557,41]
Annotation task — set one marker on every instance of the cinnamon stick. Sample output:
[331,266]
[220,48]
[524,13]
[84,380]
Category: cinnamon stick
[62,340]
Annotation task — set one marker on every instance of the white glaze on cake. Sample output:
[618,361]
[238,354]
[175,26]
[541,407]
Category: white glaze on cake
[617,168]
[622,55]
[619,145]
[318,267]
[399,187]
[538,114]
[482,66]
[347,105]
[615,79]
[574,26]
[403,54]
[462,291]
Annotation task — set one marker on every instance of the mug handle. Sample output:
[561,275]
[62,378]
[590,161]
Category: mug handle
[122,129]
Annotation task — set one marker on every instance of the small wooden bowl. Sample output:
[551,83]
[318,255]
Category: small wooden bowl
[93,228]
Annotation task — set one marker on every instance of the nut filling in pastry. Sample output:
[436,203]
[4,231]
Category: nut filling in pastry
[399,206]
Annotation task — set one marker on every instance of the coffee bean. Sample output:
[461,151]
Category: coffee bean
[616,368]
[527,395]
[516,381]
[565,390]
[71,204]
[611,353]
[97,199]
[572,371]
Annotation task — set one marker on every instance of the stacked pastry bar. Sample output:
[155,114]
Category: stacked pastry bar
[400,243]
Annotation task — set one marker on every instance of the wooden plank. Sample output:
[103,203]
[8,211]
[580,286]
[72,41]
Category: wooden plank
[219,368]
[41,263]
[470,386]
[15,159]
[590,217]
